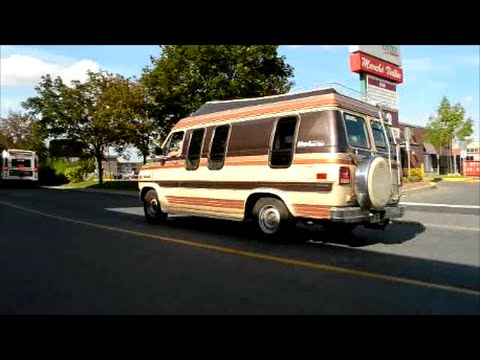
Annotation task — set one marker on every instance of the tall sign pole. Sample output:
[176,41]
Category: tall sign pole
[407,134]
[382,64]
[379,68]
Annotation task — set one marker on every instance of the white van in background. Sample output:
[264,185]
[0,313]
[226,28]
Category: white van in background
[19,165]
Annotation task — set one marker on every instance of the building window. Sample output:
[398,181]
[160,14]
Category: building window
[218,147]
[194,148]
[281,154]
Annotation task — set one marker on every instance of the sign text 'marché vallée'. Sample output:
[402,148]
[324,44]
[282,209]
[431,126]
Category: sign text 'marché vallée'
[363,63]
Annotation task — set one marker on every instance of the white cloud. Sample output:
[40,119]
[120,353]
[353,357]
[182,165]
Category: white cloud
[8,50]
[7,105]
[26,70]
[414,119]
[472,60]
[446,63]
[435,85]
[418,64]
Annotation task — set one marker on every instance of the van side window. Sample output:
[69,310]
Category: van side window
[357,134]
[281,154]
[378,135]
[174,146]
[194,148]
[218,147]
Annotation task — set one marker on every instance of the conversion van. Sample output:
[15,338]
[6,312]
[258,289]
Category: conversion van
[318,156]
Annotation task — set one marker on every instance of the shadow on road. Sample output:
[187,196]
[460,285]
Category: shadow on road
[350,251]
[395,233]
[398,232]
[18,184]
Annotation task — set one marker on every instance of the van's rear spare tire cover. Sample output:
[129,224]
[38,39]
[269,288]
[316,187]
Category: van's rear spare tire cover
[373,186]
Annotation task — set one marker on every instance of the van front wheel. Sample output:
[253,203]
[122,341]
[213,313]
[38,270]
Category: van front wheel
[151,207]
[272,218]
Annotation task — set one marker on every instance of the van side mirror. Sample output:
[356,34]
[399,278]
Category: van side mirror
[158,151]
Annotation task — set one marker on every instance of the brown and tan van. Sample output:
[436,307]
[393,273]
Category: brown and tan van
[316,156]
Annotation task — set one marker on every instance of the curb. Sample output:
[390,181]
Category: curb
[458,180]
[470,179]
[430,186]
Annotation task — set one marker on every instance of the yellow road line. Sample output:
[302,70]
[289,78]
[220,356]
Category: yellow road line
[277,259]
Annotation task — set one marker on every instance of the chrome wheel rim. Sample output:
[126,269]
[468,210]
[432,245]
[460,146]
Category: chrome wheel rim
[269,219]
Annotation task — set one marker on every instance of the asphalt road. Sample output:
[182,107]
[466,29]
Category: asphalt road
[69,252]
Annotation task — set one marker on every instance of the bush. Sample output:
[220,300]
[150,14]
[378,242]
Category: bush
[75,174]
[87,165]
[66,170]
[415,178]
[60,166]
[47,175]
[416,173]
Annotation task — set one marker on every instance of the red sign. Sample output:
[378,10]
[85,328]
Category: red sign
[381,84]
[360,62]
[471,168]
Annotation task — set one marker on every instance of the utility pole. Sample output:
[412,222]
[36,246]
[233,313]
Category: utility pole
[407,134]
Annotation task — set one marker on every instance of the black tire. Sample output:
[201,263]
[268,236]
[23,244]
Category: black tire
[152,209]
[271,219]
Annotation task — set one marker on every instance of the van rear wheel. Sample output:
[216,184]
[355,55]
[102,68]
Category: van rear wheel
[272,219]
[151,207]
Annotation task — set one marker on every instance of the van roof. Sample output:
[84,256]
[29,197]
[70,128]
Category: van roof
[219,111]
[215,106]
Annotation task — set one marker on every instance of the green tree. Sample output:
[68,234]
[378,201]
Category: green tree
[22,131]
[447,126]
[81,111]
[129,103]
[186,76]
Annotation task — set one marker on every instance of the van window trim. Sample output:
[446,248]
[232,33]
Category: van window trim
[227,143]
[201,148]
[369,148]
[272,138]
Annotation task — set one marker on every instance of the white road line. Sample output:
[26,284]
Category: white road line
[451,227]
[127,210]
[441,205]
[136,210]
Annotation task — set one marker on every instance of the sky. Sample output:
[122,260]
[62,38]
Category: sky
[430,72]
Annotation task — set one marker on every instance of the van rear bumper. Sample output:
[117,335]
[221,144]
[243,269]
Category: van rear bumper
[359,215]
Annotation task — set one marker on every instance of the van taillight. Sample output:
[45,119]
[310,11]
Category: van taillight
[35,169]
[5,168]
[344,175]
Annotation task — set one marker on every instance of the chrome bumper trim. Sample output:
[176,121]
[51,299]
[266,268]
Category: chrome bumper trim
[357,214]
